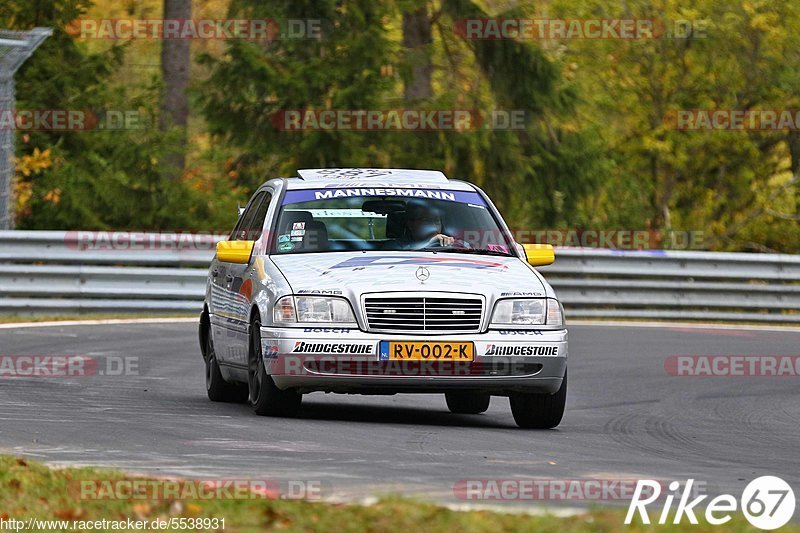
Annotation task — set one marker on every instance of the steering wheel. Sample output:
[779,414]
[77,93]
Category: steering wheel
[434,242]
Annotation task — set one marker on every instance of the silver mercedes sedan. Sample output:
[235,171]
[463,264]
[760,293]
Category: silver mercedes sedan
[382,281]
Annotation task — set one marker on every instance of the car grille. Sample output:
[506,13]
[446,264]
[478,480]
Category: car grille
[423,314]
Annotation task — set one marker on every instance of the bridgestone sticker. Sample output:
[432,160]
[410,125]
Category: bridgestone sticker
[344,348]
[493,349]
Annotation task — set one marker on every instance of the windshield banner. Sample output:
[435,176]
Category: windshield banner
[307,195]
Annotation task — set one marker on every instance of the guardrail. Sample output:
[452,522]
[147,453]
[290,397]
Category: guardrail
[677,285]
[55,272]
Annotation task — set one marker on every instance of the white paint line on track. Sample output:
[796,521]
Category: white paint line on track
[560,512]
[531,510]
[606,323]
[105,322]
[688,325]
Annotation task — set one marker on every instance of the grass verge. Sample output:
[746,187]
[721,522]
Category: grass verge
[30,490]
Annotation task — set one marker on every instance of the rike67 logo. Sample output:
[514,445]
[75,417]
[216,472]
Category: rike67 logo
[767,502]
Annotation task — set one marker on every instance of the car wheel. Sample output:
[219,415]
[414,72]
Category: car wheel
[467,403]
[265,397]
[540,410]
[217,388]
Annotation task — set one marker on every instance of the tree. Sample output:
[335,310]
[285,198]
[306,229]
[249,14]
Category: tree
[99,177]
[536,175]
[716,182]
[417,40]
[175,61]
[256,81]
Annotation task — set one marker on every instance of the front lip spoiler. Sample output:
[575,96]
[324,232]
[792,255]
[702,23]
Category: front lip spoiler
[377,385]
[441,369]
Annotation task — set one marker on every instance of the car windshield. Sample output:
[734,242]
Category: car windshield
[393,219]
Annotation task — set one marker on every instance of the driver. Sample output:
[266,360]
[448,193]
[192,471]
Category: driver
[424,227]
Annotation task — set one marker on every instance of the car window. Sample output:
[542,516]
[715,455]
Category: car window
[240,232]
[256,225]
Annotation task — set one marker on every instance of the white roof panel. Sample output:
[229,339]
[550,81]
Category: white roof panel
[324,178]
[368,174]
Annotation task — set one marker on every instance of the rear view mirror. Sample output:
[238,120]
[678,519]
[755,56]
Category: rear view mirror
[235,251]
[539,254]
[383,207]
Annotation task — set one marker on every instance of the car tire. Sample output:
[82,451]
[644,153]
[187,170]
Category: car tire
[467,403]
[539,410]
[217,388]
[265,397]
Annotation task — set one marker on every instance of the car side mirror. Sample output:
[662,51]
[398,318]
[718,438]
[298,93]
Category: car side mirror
[235,251]
[539,254]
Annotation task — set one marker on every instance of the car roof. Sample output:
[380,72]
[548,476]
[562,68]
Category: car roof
[325,178]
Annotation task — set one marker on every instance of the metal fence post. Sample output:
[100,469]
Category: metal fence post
[15,48]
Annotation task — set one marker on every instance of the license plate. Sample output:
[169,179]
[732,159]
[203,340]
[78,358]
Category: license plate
[426,351]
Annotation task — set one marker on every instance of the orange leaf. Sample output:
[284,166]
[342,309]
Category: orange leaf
[142,510]
[67,514]
[192,509]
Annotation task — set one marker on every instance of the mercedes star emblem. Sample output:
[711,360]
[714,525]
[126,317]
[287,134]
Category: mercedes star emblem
[423,274]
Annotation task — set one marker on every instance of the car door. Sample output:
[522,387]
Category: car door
[226,300]
[240,281]
[217,272]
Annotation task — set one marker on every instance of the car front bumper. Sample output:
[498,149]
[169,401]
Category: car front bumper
[349,361]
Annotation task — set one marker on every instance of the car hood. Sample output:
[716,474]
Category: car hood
[354,273]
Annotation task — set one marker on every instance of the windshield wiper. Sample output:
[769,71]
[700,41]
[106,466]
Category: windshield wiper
[474,251]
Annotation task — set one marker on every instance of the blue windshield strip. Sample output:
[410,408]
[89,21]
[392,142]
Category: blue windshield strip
[307,195]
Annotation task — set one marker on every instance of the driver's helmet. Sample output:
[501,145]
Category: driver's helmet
[422,221]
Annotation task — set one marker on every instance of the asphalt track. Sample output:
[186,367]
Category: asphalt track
[627,418]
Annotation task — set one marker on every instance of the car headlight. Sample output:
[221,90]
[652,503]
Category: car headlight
[555,313]
[319,309]
[527,312]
